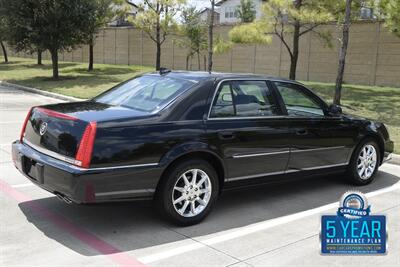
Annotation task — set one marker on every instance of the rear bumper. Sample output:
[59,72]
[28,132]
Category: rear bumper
[85,185]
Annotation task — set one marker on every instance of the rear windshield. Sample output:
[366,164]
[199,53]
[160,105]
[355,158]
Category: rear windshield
[147,93]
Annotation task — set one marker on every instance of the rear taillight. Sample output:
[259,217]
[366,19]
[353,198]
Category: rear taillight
[24,125]
[84,154]
[55,114]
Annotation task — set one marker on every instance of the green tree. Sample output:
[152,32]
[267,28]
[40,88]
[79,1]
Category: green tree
[246,11]
[390,12]
[157,19]
[47,24]
[194,31]
[288,20]
[344,11]
[105,12]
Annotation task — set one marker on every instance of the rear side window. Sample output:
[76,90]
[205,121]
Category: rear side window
[243,99]
[146,93]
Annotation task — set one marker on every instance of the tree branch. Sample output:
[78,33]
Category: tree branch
[310,29]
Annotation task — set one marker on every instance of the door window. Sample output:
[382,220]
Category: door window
[297,102]
[244,99]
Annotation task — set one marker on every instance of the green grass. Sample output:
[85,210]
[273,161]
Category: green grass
[377,103]
[74,80]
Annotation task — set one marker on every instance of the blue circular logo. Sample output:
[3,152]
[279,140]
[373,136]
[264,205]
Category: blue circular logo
[353,205]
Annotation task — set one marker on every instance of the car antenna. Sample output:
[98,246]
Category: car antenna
[164,71]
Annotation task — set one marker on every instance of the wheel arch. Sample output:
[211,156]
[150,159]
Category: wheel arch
[196,152]
[378,139]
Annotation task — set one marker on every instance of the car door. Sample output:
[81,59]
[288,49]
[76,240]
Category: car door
[244,126]
[318,140]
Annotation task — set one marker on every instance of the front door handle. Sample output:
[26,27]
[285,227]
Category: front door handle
[226,135]
[301,132]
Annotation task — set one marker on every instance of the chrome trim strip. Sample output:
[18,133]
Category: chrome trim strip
[260,154]
[283,172]
[49,152]
[253,176]
[324,166]
[317,149]
[72,161]
[123,167]
[246,118]
[138,191]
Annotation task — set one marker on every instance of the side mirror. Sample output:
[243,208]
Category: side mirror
[335,109]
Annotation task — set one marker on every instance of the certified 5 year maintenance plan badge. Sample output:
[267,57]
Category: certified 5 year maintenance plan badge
[353,230]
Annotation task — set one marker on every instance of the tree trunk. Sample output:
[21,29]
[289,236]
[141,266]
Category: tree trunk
[54,62]
[211,37]
[205,62]
[158,39]
[158,57]
[90,67]
[187,61]
[198,61]
[342,53]
[4,52]
[39,57]
[295,54]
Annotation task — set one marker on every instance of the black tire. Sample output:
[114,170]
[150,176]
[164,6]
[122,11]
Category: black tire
[353,174]
[165,192]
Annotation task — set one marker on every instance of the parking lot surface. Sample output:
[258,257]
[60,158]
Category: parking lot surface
[272,225]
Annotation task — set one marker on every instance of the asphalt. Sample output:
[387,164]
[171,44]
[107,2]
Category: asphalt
[273,225]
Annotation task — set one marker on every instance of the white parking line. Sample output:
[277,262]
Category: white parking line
[252,228]
[22,185]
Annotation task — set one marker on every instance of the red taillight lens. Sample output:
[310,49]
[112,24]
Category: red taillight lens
[24,125]
[55,114]
[84,154]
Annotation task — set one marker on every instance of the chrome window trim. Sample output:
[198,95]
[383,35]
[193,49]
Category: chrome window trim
[260,154]
[72,161]
[261,117]
[283,172]
[237,118]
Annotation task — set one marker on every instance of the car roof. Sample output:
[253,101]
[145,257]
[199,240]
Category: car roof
[203,75]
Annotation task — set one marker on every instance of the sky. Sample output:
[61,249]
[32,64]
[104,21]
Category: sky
[199,4]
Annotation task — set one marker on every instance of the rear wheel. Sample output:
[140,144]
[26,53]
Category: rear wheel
[188,192]
[364,163]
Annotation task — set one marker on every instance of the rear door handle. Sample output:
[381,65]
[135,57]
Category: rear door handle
[302,132]
[226,135]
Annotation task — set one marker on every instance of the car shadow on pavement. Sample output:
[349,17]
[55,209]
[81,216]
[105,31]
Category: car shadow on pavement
[136,225]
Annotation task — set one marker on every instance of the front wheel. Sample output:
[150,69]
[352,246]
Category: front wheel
[364,163]
[188,192]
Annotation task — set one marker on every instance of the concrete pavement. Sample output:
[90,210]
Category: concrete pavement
[273,225]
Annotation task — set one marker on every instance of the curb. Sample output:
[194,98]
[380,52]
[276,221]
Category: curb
[41,92]
[395,159]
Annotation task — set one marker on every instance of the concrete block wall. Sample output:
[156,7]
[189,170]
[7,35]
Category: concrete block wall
[373,55]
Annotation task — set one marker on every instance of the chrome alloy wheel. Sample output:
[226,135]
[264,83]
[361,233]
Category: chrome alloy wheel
[366,162]
[191,193]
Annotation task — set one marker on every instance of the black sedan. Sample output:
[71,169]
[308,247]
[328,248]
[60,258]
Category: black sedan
[181,138]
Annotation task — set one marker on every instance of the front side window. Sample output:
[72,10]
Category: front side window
[244,99]
[297,102]
[147,93]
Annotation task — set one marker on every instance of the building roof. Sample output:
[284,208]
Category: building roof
[220,2]
[207,9]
